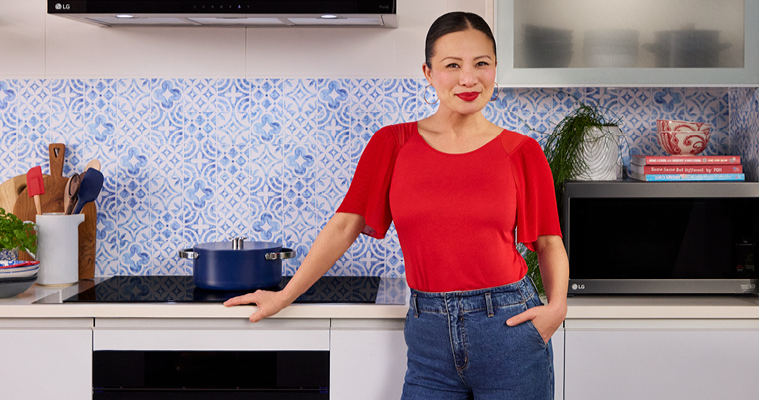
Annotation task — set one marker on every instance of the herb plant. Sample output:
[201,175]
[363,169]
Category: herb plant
[16,233]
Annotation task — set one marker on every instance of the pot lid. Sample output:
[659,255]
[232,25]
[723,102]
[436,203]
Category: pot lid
[246,245]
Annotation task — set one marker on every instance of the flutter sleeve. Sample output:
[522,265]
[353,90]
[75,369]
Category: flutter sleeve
[537,213]
[369,191]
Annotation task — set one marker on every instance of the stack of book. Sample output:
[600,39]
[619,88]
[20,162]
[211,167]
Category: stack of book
[686,168]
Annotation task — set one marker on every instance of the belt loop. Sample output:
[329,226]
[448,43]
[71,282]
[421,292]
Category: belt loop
[489,304]
[415,305]
[532,287]
[524,289]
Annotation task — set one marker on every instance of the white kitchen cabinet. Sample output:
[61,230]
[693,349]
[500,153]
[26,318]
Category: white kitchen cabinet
[661,359]
[367,359]
[46,359]
[557,341]
[563,43]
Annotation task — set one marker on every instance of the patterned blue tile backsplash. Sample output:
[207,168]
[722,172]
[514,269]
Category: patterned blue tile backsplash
[196,160]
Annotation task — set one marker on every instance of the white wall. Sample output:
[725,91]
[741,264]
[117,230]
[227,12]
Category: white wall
[36,45]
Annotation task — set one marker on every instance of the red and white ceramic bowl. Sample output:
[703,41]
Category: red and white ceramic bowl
[684,143]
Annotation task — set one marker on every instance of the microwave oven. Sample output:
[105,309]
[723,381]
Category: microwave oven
[633,237]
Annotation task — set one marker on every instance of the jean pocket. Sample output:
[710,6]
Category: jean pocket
[526,332]
[536,333]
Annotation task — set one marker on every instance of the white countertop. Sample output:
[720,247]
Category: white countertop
[579,307]
[51,306]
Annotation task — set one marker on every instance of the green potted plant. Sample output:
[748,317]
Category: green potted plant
[14,235]
[584,145]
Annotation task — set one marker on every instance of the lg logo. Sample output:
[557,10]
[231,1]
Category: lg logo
[576,286]
[59,6]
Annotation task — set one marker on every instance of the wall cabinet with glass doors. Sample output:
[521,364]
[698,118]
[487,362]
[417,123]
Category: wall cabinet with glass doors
[633,43]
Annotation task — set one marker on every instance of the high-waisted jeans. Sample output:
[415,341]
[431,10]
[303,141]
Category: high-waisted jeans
[459,346]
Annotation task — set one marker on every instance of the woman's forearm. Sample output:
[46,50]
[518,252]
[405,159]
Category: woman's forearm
[331,243]
[554,270]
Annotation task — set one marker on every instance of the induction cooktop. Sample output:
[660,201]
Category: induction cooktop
[182,289]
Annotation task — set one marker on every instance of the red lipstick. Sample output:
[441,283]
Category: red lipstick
[468,96]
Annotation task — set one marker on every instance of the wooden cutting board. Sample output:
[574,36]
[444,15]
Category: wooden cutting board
[52,201]
[9,191]
[87,241]
[55,184]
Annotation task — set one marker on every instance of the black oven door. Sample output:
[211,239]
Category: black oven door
[217,375]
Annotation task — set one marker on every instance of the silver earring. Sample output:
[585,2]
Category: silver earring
[495,92]
[424,96]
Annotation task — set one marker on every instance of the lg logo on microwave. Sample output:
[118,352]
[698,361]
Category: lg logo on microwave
[59,6]
[578,287]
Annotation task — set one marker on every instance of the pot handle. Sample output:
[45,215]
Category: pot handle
[188,253]
[283,255]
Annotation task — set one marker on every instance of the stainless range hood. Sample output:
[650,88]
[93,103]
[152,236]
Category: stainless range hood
[376,13]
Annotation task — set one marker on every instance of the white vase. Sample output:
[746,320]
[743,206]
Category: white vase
[601,154]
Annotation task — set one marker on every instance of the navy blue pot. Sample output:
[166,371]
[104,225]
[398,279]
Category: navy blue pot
[237,265]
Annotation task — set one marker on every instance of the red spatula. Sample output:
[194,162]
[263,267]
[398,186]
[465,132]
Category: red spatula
[35,187]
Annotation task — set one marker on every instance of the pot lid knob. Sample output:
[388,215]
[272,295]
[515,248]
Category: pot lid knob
[238,242]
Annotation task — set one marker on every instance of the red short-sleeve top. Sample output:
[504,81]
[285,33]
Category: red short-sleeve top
[458,216]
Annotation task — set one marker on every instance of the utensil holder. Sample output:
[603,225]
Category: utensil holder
[58,248]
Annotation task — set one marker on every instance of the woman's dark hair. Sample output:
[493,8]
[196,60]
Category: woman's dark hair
[451,22]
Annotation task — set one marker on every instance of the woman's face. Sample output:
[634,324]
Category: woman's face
[463,71]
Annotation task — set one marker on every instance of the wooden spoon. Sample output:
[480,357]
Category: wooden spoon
[70,195]
[94,163]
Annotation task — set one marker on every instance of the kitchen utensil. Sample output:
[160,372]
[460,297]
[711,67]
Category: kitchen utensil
[52,201]
[55,184]
[57,154]
[58,248]
[35,186]
[71,194]
[10,190]
[94,163]
[237,265]
[88,241]
[67,196]
[89,188]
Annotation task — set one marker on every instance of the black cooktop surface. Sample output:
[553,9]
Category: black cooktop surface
[181,289]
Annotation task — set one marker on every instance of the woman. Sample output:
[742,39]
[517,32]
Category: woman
[461,191]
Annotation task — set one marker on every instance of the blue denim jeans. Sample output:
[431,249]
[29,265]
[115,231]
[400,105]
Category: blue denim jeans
[459,346]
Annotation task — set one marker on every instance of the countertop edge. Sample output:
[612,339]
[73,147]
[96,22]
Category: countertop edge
[639,307]
[217,311]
